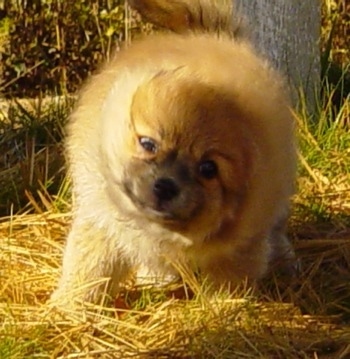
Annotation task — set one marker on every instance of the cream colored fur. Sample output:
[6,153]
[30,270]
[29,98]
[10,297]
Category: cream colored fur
[240,229]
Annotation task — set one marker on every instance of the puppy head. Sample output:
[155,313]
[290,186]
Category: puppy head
[186,153]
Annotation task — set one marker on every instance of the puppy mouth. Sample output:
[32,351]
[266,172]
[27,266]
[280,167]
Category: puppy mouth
[161,215]
[159,211]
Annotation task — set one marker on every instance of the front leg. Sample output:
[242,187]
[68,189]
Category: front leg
[93,267]
[234,266]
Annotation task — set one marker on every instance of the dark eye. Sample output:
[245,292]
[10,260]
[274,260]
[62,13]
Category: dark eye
[148,144]
[208,169]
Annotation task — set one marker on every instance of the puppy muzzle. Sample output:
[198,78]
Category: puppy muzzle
[163,192]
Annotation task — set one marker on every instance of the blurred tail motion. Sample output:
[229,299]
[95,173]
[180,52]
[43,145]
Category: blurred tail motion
[181,16]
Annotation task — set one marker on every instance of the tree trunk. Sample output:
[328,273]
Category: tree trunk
[288,32]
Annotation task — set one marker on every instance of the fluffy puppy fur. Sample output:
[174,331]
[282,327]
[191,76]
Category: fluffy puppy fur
[180,149]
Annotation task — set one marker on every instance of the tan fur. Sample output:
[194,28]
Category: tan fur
[191,15]
[200,97]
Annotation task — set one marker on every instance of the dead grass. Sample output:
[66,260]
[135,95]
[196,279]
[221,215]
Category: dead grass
[306,320]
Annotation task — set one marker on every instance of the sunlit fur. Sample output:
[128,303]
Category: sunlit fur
[200,96]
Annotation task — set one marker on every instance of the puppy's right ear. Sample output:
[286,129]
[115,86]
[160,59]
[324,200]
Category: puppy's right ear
[172,15]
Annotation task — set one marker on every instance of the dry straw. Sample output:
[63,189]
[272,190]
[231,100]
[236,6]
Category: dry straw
[153,323]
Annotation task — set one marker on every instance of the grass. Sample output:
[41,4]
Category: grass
[32,160]
[308,318]
[324,164]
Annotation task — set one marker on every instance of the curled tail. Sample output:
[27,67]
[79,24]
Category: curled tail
[181,16]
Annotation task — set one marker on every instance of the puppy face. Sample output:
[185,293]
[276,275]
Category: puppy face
[186,154]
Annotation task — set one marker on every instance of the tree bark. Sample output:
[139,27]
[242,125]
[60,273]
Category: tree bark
[287,32]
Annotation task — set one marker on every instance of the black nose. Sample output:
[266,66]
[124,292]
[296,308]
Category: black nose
[165,189]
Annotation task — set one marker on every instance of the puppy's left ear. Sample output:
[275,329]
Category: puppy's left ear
[172,15]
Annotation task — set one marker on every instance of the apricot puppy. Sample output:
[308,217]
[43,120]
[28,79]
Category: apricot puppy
[180,149]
